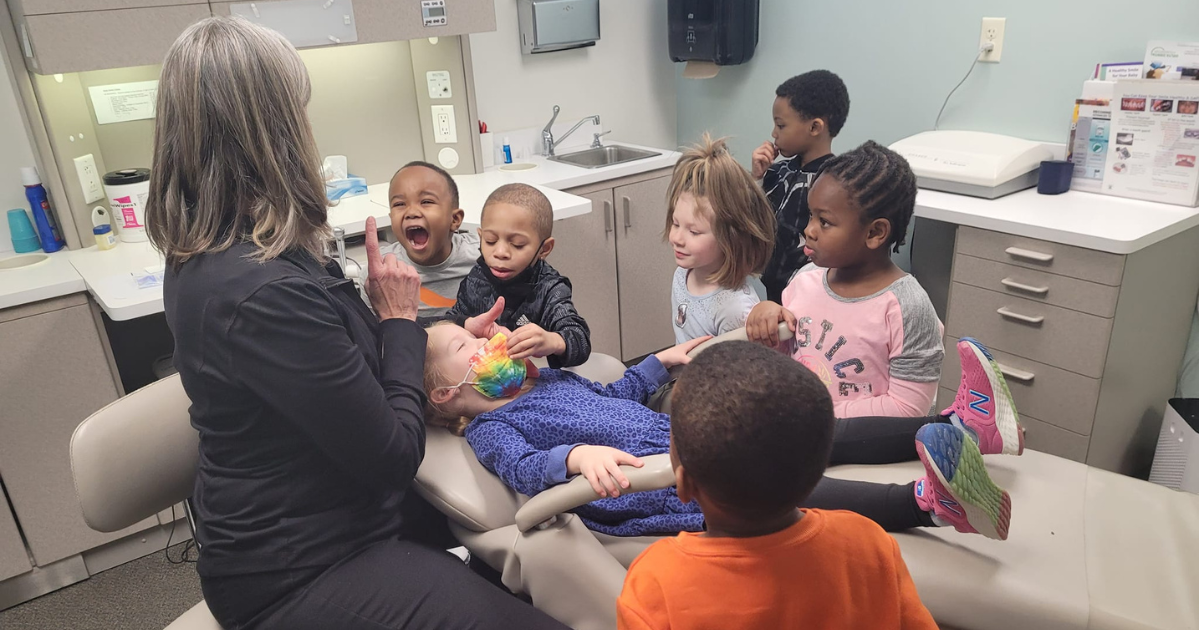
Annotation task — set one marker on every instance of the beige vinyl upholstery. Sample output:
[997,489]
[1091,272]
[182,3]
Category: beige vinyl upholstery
[134,458]
[1088,549]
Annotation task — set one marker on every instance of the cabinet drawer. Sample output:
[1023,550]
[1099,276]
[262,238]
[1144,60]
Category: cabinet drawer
[1067,400]
[1040,436]
[1070,340]
[1064,260]
[1039,286]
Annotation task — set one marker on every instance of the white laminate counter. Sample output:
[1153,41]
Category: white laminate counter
[1092,221]
[108,275]
[109,278]
[547,176]
[51,278]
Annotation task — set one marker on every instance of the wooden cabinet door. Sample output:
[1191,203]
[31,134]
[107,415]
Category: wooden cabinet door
[53,375]
[585,251]
[645,265]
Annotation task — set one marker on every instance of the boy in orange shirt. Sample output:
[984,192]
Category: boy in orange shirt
[751,432]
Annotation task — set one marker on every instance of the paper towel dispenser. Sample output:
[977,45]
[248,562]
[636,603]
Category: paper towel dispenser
[724,32]
[549,25]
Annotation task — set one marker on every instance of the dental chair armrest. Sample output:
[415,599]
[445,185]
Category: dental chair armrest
[738,335]
[655,474]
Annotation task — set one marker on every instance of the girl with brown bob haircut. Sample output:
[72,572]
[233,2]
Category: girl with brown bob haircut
[722,229]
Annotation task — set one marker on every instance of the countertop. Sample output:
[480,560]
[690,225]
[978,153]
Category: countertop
[547,176]
[108,275]
[1089,220]
[54,277]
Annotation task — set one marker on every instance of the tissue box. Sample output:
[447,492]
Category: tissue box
[347,187]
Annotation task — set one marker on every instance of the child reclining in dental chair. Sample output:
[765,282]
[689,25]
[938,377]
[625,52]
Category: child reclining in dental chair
[538,430]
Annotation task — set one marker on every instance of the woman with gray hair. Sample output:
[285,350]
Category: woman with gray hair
[308,405]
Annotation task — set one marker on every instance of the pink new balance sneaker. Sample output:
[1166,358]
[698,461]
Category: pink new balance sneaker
[983,407]
[956,487]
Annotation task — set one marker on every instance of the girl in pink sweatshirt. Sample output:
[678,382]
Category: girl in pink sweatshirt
[869,332]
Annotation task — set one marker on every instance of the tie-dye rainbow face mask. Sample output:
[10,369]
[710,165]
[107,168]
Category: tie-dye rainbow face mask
[496,375]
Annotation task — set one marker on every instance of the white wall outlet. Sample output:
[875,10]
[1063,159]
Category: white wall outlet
[439,83]
[89,178]
[992,32]
[443,124]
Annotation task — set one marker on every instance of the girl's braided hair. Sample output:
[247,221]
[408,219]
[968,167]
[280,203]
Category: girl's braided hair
[881,183]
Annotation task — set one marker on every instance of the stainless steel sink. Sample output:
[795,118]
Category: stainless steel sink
[603,156]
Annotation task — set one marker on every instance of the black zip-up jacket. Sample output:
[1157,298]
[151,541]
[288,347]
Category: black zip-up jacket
[786,184]
[309,410]
[539,295]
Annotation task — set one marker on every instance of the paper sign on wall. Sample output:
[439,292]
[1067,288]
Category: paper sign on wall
[122,102]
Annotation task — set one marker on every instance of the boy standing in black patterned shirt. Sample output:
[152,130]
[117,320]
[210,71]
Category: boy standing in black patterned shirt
[809,111]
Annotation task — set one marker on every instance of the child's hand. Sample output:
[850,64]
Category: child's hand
[762,325]
[484,326]
[601,466]
[532,340]
[679,354]
[761,159]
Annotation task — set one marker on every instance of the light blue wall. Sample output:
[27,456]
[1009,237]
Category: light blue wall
[899,58]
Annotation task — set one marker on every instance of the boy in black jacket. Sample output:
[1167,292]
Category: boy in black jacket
[514,233]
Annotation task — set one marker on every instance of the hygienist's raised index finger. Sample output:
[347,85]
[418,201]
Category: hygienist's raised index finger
[374,260]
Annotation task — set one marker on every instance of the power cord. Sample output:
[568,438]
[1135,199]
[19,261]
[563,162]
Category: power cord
[982,49]
[187,546]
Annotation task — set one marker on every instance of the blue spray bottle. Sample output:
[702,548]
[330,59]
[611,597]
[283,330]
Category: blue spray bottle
[39,202]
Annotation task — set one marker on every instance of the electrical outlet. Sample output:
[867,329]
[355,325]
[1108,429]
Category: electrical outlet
[992,32]
[444,131]
[89,178]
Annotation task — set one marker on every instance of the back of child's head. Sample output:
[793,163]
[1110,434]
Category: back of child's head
[529,198]
[880,183]
[741,217]
[818,94]
[752,428]
[451,186]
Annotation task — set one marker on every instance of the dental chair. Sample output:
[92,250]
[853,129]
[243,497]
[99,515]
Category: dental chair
[135,458]
[1087,549]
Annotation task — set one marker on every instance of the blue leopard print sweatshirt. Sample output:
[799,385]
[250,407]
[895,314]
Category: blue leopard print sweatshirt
[526,443]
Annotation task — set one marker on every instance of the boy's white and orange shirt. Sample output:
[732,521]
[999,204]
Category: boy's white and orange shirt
[439,283]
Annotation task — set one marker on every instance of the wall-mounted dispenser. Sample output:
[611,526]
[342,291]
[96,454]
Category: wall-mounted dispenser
[708,34]
[550,25]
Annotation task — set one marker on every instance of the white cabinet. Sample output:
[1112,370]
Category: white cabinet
[59,36]
[1089,340]
[392,20]
[619,265]
[54,372]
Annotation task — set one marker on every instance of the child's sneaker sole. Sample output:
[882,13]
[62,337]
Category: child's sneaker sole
[1006,410]
[955,460]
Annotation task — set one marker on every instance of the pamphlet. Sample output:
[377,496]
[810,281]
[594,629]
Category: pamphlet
[1088,146]
[1118,71]
[1172,61]
[1155,135]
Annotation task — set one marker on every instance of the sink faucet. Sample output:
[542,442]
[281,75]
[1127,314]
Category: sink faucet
[548,141]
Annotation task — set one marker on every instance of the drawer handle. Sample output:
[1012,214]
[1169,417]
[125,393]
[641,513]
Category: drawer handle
[1028,254]
[608,226]
[625,210]
[1015,374]
[1028,319]
[1028,288]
